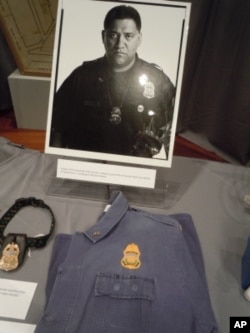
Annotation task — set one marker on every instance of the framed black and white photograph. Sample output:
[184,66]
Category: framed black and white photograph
[116,80]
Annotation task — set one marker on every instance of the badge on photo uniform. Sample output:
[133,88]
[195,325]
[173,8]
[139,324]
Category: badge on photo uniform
[149,90]
[115,116]
[140,108]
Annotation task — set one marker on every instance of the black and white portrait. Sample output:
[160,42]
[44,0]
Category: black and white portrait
[116,80]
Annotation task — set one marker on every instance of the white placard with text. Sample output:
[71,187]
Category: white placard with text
[15,298]
[106,173]
[11,327]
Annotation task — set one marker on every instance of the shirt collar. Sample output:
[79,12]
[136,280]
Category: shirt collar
[109,219]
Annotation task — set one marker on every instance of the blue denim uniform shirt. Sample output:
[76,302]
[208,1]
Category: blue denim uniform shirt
[245,267]
[132,272]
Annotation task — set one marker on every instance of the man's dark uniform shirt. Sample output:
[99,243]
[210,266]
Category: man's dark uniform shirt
[84,117]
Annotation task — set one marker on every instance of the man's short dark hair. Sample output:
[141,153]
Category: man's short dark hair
[120,13]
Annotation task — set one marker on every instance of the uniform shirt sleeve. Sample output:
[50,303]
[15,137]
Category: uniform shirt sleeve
[62,110]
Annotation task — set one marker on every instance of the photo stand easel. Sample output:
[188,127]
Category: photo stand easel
[161,196]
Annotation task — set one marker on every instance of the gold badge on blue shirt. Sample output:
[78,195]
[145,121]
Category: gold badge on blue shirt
[131,257]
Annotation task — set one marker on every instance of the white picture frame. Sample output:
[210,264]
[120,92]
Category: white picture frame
[164,40]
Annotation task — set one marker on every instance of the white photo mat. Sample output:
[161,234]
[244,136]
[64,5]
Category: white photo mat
[165,30]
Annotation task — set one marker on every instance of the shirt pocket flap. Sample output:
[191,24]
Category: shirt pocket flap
[120,286]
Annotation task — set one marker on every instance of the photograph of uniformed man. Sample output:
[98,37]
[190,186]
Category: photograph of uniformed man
[118,103]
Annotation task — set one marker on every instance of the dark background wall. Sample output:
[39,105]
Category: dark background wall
[215,97]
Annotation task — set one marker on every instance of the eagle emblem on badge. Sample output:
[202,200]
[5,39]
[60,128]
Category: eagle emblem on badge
[131,257]
[9,259]
[149,90]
